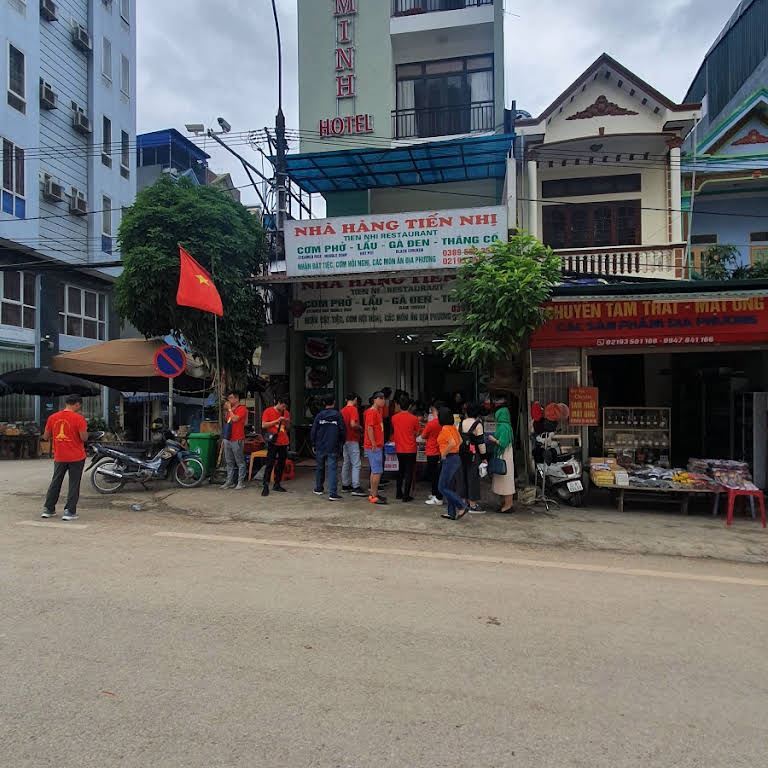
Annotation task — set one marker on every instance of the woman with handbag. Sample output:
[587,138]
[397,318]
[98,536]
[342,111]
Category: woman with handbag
[503,464]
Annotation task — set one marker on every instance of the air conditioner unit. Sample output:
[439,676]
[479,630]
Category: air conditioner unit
[81,123]
[81,38]
[48,10]
[47,96]
[77,202]
[52,190]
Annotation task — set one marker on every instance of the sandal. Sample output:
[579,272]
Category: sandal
[507,511]
[447,516]
[461,514]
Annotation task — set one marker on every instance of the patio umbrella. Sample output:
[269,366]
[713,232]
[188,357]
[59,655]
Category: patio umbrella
[46,383]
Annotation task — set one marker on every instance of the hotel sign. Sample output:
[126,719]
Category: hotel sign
[344,58]
[391,242]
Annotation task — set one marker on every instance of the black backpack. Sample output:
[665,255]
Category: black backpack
[468,439]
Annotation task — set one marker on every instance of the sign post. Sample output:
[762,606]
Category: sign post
[170,362]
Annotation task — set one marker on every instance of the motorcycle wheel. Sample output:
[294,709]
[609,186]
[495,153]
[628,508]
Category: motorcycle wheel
[577,500]
[102,483]
[189,473]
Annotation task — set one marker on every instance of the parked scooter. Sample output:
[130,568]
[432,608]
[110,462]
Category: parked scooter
[561,471]
[112,468]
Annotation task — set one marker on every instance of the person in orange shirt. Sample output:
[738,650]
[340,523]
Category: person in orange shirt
[449,442]
[405,430]
[276,422]
[69,432]
[373,442]
[430,435]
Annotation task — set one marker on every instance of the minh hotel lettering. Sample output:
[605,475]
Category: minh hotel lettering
[344,14]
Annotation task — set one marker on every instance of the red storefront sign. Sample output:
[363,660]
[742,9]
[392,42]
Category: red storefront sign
[654,322]
[583,404]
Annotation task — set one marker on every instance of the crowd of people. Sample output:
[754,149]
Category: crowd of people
[459,451]
[456,455]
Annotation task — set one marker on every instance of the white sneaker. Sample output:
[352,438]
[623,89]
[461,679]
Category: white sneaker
[433,501]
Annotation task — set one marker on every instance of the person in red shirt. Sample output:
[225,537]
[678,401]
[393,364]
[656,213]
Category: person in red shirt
[405,430]
[69,432]
[350,469]
[276,422]
[373,442]
[235,417]
[430,434]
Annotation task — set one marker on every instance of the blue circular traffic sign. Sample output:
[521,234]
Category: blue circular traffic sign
[170,361]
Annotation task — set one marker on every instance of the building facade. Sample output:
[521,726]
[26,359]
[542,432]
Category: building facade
[403,130]
[725,167]
[68,131]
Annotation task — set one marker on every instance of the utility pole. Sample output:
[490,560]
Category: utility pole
[281,167]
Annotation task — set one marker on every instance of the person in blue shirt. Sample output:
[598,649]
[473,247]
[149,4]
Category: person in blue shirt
[328,435]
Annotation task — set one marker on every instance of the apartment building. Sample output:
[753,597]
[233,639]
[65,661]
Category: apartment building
[68,133]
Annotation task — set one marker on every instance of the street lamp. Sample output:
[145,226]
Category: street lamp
[281,174]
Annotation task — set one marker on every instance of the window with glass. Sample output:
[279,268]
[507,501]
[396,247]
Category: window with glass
[125,150]
[700,244]
[758,247]
[595,225]
[106,224]
[440,98]
[13,201]
[18,300]
[125,75]
[106,58]
[17,85]
[106,140]
[16,408]
[125,10]
[82,312]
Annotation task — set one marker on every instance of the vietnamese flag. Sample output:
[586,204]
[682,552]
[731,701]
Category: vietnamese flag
[196,288]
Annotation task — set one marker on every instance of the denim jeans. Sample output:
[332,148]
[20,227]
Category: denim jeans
[235,458]
[331,462]
[451,467]
[350,470]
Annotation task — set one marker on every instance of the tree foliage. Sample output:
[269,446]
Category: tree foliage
[501,295]
[719,262]
[223,237]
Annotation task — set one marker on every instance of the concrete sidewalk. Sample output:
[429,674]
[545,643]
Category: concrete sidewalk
[596,527]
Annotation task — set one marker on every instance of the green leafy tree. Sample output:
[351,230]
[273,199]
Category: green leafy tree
[224,238]
[501,294]
[720,262]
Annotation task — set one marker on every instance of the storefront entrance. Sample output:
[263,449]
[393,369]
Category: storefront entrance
[707,393]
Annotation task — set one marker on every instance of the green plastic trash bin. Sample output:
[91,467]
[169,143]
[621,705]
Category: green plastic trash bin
[205,445]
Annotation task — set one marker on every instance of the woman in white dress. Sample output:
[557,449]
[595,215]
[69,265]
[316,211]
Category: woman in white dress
[504,485]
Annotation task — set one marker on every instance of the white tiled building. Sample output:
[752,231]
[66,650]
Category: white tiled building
[68,134]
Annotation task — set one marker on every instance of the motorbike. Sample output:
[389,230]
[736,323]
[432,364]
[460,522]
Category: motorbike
[562,472]
[111,468]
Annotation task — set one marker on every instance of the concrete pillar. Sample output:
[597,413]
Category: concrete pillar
[533,199]
[675,195]
[510,193]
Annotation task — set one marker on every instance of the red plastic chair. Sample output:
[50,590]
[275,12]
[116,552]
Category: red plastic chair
[734,493]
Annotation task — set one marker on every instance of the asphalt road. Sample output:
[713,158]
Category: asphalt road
[154,640]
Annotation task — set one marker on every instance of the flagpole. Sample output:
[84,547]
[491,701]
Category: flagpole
[218,371]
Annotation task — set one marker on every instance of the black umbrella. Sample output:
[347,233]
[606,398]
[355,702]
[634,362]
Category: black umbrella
[46,383]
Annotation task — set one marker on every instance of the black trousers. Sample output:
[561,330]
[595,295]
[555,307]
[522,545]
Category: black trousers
[470,466]
[276,458]
[433,475]
[61,468]
[406,468]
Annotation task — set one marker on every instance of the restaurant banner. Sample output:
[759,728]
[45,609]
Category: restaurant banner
[653,322]
[390,242]
[583,405]
[388,302]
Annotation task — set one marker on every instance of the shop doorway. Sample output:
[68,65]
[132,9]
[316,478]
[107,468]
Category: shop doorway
[705,391]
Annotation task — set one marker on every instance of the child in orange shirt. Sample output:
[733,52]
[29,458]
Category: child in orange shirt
[449,442]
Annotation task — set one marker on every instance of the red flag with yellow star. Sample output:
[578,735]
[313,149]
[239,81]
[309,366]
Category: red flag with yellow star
[196,288]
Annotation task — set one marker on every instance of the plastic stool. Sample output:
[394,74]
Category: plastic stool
[289,473]
[734,493]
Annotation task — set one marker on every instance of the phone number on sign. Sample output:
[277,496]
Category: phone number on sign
[655,342]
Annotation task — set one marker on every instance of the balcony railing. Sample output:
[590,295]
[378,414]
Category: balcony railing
[443,121]
[662,262]
[414,7]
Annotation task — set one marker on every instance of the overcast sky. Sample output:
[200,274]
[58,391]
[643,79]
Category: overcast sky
[199,59]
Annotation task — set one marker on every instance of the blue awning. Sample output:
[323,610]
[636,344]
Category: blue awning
[476,157]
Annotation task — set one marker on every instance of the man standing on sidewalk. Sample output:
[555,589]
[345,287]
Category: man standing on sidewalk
[276,422]
[374,446]
[236,417]
[327,436]
[405,430]
[69,432]
[350,470]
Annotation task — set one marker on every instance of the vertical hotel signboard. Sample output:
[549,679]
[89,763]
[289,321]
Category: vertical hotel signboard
[344,59]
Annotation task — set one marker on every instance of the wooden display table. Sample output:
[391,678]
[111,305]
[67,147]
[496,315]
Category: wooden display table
[21,446]
[680,496]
